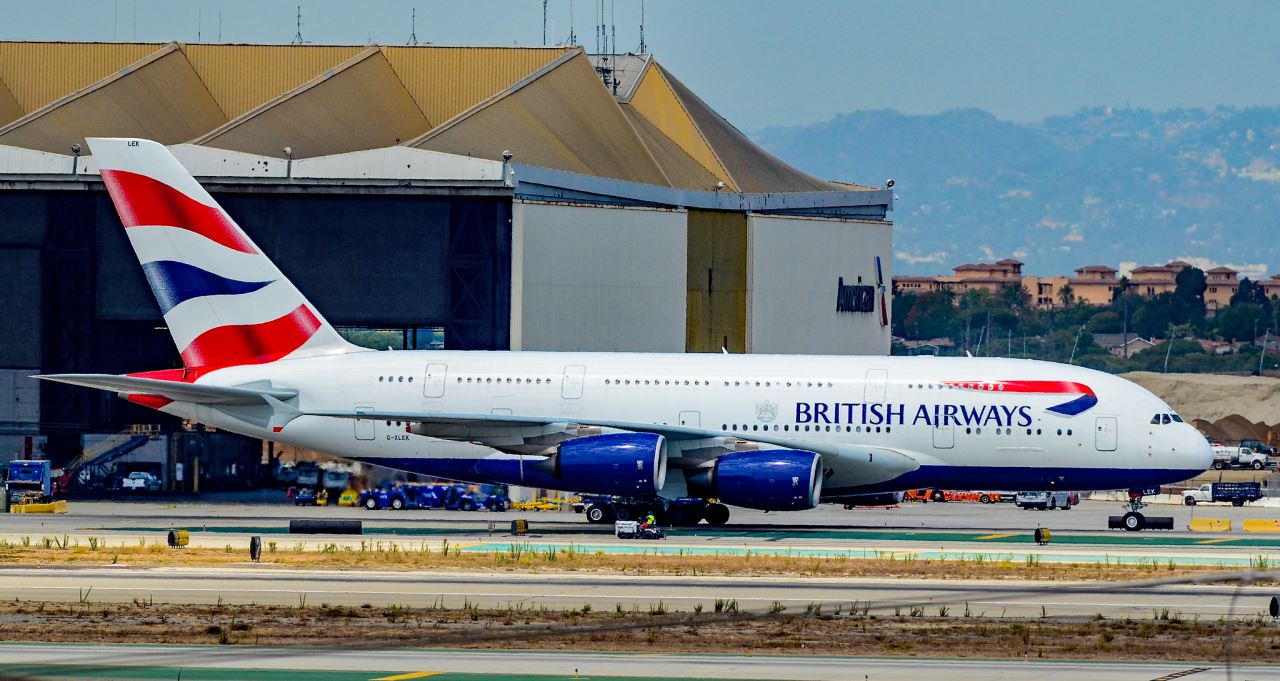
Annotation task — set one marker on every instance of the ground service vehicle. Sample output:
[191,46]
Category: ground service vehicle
[399,497]
[769,432]
[1238,493]
[681,511]
[29,482]
[307,496]
[1239,457]
[1043,501]
[634,529]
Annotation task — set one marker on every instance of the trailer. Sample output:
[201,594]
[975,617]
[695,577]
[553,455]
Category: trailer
[682,511]
[29,482]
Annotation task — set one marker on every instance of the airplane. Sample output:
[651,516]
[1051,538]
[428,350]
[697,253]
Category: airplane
[769,432]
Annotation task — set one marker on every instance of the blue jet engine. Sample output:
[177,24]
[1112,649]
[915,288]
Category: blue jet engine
[622,464]
[768,480]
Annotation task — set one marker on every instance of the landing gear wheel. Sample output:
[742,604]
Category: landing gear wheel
[716,514]
[1134,521]
[598,514]
[371,504]
[937,495]
[622,513]
[397,504]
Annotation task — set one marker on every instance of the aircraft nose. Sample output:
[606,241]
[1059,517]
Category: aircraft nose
[1201,454]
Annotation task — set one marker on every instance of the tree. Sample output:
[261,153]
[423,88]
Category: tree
[1106,321]
[1240,321]
[1190,285]
[1153,318]
[1067,295]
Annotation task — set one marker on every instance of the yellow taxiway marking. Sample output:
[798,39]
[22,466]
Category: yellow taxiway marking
[405,677]
[1217,541]
[997,536]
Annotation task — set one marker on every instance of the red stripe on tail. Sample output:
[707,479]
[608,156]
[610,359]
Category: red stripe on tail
[144,201]
[252,343]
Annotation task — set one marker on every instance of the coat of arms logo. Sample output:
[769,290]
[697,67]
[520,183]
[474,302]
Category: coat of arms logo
[766,411]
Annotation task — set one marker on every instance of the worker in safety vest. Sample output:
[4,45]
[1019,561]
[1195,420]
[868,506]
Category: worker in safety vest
[650,520]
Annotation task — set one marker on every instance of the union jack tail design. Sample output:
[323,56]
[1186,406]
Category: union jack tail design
[224,301]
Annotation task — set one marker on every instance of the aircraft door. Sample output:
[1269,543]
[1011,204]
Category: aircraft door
[1104,433]
[571,389]
[433,386]
[944,437]
[875,390]
[691,419]
[364,427]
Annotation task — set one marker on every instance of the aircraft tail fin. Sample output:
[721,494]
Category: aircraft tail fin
[225,303]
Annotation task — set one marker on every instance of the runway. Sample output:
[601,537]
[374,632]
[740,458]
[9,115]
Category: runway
[606,591]
[202,663]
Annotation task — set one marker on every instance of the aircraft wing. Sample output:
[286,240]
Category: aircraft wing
[865,464]
[174,390]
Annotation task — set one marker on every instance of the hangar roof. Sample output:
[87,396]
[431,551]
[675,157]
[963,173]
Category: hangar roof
[546,105]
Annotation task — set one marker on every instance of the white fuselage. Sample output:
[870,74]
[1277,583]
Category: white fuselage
[970,435]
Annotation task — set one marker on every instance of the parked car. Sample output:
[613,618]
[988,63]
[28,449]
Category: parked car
[1238,493]
[140,481]
[308,496]
[1044,501]
[1259,446]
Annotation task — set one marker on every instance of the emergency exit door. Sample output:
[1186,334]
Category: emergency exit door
[433,386]
[876,388]
[364,427]
[944,437]
[571,389]
[1104,433]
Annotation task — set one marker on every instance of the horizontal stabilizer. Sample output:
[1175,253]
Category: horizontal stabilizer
[180,392]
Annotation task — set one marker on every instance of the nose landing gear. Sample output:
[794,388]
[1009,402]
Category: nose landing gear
[1134,520]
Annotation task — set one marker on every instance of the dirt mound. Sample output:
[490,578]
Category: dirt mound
[1213,397]
[1233,429]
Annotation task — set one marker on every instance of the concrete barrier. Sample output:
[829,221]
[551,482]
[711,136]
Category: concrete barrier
[1262,525]
[316,526]
[1210,525]
[59,506]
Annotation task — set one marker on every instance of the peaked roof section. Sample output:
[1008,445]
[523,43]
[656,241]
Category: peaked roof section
[241,77]
[680,168]
[753,169]
[653,98]
[360,104]
[10,109]
[39,73]
[559,117]
[445,81]
[159,97]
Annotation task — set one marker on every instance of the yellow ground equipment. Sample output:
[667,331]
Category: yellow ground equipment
[59,506]
[348,497]
[178,538]
[1210,525]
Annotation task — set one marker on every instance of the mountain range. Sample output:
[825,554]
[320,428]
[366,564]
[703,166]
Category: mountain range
[1105,185]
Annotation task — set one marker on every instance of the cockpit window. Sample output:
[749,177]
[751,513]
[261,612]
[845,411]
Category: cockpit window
[1164,418]
[1155,419]
[1177,419]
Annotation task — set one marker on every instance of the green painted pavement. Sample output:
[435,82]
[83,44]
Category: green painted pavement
[52,672]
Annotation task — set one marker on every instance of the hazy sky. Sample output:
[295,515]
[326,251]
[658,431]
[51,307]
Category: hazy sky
[788,63]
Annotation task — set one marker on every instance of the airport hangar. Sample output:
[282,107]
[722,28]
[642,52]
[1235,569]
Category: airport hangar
[630,217]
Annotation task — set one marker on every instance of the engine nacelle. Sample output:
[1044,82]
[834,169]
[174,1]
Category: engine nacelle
[768,480]
[881,499]
[623,464]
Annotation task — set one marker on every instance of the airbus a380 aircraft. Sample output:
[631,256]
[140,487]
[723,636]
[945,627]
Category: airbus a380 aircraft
[770,432]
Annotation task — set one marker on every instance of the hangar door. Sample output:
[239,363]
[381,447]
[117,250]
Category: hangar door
[1104,433]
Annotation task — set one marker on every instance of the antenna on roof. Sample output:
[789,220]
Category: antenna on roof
[199,22]
[573,37]
[544,23]
[413,27]
[297,37]
[644,49]
[219,25]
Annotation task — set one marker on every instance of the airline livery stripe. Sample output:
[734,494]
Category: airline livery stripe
[175,282]
[143,201]
[1045,387]
[252,344]
[166,243]
[190,319]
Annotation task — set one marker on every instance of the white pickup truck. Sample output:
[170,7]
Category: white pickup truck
[141,482]
[1238,457]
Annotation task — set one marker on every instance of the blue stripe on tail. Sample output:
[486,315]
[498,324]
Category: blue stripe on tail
[175,282]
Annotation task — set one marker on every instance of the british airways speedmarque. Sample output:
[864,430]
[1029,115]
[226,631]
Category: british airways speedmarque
[771,432]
